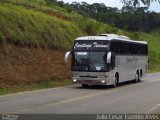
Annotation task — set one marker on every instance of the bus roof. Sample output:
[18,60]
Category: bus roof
[110,37]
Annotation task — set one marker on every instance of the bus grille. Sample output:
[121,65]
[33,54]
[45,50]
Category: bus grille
[89,76]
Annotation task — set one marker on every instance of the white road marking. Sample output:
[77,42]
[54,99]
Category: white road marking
[154,108]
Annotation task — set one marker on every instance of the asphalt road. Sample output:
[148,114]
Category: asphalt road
[143,97]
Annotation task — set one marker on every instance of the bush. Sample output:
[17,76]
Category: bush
[110,29]
[90,28]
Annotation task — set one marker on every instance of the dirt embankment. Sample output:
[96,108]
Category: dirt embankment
[23,65]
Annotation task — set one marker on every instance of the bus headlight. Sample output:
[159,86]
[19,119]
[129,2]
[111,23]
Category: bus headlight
[103,81]
[74,80]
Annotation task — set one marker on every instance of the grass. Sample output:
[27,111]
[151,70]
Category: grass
[33,86]
[23,26]
[28,27]
[154,49]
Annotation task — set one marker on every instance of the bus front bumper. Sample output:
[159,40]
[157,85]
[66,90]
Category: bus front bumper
[90,81]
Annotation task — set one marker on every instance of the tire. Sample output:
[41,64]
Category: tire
[140,76]
[136,77]
[115,81]
[85,85]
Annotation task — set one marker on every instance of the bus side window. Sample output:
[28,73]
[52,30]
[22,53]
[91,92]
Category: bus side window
[127,48]
[130,48]
[112,61]
[113,47]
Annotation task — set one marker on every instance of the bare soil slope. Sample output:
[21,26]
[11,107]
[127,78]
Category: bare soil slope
[23,65]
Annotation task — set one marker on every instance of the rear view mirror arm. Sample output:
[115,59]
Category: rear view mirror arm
[66,56]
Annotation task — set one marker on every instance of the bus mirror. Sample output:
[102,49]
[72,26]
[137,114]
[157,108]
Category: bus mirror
[109,57]
[66,56]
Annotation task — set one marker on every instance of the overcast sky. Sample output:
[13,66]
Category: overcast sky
[155,6]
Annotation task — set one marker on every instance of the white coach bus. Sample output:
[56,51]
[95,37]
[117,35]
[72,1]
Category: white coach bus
[107,59]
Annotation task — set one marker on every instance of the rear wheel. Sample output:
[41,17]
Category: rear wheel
[140,76]
[85,85]
[136,77]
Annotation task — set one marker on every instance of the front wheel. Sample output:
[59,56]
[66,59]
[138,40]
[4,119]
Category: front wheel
[115,82]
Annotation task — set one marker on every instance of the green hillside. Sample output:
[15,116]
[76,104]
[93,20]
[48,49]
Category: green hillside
[23,26]
[153,40]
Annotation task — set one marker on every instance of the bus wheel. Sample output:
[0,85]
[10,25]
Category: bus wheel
[140,76]
[136,77]
[115,81]
[85,85]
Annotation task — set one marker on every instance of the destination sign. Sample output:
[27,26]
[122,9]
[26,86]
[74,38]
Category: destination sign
[90,45]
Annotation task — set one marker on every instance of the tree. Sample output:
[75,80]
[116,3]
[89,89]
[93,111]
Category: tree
[136,3]
[61,3]
[29,3]
[69,10]
[41,3]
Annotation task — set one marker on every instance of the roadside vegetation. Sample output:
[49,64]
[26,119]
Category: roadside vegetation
[35,35]
[33,86]
[25,27]
[153,39]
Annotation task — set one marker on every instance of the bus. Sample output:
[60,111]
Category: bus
[107,59]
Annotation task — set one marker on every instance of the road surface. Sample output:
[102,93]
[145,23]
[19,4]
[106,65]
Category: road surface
[143,97]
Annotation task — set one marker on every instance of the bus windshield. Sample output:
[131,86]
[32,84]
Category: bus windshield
[89,61]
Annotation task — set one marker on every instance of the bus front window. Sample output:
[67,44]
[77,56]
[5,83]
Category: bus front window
[89,61]
[97,61]
[81,61]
